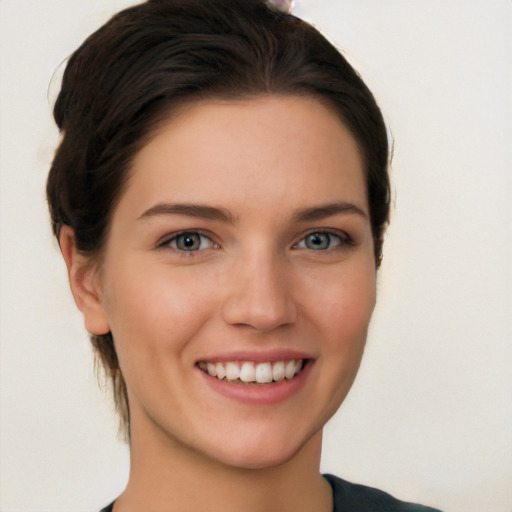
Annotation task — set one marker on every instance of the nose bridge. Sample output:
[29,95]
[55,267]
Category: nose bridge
[260,294]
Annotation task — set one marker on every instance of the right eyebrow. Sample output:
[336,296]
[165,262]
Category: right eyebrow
[190,210]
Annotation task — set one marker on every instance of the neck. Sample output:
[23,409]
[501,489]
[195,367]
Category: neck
[166,476]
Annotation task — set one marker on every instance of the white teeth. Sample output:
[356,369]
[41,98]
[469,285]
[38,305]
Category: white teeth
[232,371]
[211,369]
[278,371]
[264,373]
[247,372]
[251,372]
[220,370]
[289,370]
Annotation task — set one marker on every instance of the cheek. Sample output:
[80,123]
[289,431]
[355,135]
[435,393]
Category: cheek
[156,309]
[153,315]
[342,307]
[340,312]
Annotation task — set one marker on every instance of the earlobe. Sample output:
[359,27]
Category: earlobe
[84,284]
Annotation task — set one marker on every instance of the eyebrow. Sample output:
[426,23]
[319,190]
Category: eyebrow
[190,210]
[328,210]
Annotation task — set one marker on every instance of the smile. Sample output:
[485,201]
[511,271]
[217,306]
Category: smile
[250,372]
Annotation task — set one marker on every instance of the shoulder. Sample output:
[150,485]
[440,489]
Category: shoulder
[360,498]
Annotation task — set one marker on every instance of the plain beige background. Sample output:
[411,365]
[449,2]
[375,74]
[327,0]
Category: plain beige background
[430,415]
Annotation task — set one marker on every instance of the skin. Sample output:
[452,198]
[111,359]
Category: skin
[255,285]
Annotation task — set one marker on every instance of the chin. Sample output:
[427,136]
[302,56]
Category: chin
[258,461]
[253,454]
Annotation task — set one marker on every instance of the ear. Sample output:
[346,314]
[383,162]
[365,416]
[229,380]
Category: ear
[84,283]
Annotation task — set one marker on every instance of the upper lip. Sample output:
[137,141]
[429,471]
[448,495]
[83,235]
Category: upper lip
[258,356]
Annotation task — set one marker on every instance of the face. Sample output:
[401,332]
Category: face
[238,278]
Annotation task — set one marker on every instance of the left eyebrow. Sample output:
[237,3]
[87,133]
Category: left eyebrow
[328,210]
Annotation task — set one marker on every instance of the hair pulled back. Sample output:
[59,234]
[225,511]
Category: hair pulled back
[145,62]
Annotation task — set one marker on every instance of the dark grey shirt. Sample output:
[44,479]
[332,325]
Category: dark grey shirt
[349,497]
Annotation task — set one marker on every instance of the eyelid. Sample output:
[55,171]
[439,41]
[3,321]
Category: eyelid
[344,238]
[165,241]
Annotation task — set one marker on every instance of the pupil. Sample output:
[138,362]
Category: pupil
[189,242]
[318,241]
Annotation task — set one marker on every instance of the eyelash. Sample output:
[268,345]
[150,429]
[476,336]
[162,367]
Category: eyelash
[173,240]
[340,239]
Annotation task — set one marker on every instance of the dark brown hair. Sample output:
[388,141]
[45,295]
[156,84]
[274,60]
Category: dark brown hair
[148,60]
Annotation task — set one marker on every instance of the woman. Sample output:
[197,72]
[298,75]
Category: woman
[220,195]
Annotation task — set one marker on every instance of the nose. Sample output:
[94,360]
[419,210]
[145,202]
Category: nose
[260,295]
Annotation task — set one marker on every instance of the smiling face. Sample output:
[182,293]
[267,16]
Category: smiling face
[238,278]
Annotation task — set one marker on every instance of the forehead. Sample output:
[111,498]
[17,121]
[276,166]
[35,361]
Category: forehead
[270,148]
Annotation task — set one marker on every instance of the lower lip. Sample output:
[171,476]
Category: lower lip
[259,394]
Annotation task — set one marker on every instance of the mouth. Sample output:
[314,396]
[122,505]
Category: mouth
[252,372]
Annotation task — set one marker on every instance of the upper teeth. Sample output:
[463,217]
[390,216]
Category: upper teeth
[249,371]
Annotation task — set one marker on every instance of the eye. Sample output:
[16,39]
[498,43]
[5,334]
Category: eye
[189,241]
[321,241]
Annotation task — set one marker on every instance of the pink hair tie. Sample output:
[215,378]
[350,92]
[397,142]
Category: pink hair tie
[281,6]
